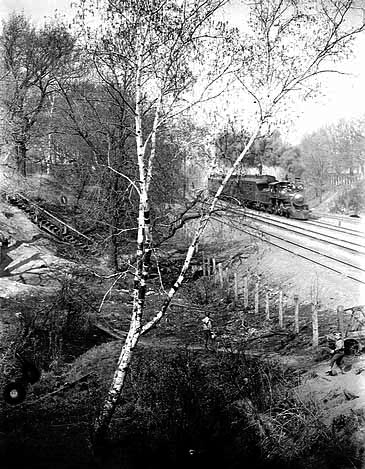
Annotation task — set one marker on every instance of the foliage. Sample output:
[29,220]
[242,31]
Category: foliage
[267,149]
[350,201]
[58,327]
[316,160]
[183,408]
[34,62]
[333,149]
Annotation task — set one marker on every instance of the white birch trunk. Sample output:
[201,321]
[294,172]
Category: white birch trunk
[136,329]
[110,402]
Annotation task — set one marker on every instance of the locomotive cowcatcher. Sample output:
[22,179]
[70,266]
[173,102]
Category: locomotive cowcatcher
[264,193]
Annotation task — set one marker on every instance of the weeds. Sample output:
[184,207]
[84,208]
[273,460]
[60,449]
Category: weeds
[50,329]
[188,409]
[351,200]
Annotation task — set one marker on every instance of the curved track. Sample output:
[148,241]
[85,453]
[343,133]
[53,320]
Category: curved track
[353,242]
[326,250]
[337,228]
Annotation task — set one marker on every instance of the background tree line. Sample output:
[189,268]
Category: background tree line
[67,114]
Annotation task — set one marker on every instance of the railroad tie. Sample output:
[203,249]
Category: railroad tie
[43,223]
[53,229]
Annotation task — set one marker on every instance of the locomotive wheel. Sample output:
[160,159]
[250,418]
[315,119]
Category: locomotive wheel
[281,210]
[14,392]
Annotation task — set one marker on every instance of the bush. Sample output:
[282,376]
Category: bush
[230,410]
[352,200]
[54,328]
[190,409]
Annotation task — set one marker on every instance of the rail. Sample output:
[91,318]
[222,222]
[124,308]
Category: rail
[48,222]
[69,227]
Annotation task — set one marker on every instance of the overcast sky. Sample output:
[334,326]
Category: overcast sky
[344,95]
[37,9]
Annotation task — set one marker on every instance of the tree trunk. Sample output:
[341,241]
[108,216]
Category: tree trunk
[109,405]
[143,254]
[21,157]
[142,263]
[113,249]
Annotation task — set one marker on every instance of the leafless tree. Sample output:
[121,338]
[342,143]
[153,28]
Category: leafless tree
[33,61]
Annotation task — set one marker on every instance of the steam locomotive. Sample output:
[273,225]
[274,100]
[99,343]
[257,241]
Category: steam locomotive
[264,193]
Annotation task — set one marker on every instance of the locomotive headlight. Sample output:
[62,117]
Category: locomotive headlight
[298,199]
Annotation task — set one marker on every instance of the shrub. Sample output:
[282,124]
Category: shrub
[226,410]
[52,328]
[190,409]
[352,200]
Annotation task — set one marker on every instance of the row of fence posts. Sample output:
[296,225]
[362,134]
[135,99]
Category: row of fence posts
[213,269]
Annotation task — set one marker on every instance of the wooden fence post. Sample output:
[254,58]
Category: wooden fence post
[209,266]
[340,326]
[226,277]
[267,305]
[245,291]
[315,324]
[226,284]
[235,287]
[220,271]
[257,297]
[296,313]
[281,308]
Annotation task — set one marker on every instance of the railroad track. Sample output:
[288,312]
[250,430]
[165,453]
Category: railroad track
[318,258]
[51,224]
[337,228]
[352,242]
[335,216]
[345,267]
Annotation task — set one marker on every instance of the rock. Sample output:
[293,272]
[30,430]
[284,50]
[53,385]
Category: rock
[23,265]
[32,259]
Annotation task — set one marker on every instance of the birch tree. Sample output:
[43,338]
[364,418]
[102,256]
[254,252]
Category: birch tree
[286,45]
[158,48]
